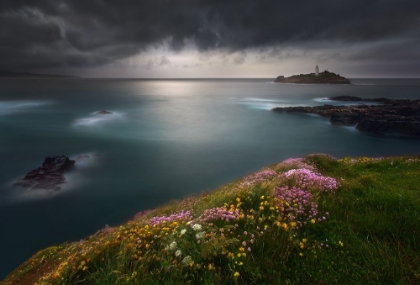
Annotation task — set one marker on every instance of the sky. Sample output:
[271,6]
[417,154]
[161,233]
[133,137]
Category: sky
[211,38]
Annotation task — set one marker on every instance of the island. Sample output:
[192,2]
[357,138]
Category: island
[49,176]
[388,116]
[324,77]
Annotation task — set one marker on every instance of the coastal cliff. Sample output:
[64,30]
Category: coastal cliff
[311,220]
[325,77]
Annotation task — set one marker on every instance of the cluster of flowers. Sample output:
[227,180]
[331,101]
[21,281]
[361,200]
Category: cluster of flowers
[180,216]
[307,179]
[258,177]
[225,236]
[296,163]
[297,205]
[350,160]
[218,213]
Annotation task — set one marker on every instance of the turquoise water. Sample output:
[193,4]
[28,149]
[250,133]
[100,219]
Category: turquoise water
[165,140]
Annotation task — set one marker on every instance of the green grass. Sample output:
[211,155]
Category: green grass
[370,236]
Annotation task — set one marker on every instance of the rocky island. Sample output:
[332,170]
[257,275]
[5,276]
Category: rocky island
[49,176]
[324,77]
[390,116]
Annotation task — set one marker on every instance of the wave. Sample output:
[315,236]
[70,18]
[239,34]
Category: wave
[9,107]
[346,103]
[96,119]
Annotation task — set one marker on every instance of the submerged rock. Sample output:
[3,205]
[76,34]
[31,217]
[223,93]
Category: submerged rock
[401,117]
[104,112]
[49,175]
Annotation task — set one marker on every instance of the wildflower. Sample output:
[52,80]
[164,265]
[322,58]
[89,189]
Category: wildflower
[340,243]
[187,260]
[244,243]
[210,266]
[312,221]
[300,254]
[173,245]
[248,249]
[245,232]
[236,275]
[183,231]
[197,227]
[178,253]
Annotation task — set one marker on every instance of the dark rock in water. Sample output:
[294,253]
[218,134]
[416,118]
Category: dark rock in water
[49,175]
[104,112]
[401,117]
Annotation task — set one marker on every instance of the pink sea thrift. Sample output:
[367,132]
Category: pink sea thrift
[296,204]
[176,217]
[216,214]
[258,177]
[308,179]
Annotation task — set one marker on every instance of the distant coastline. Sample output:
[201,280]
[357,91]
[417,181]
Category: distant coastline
[23,75]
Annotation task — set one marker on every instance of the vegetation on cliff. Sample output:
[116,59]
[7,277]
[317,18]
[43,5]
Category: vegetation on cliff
[312,220]
[324,77]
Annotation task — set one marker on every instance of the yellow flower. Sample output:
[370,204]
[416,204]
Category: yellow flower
[302,245]
[312,221]
[210,267]
[238,200]
[236,275]
[293,224]
[304,240]
[300,254]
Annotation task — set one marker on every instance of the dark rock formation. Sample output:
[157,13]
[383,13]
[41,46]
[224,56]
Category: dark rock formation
[104,112]
[393,116]
[49,175]
[325,77]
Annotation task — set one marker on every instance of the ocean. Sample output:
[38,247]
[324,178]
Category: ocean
[165,140]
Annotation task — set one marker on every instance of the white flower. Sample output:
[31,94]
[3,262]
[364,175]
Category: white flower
[197,227]
[172,246]
[178,253]
[183,231]
[187,260]
[199,235]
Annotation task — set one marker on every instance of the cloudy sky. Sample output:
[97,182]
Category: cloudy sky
[211,38]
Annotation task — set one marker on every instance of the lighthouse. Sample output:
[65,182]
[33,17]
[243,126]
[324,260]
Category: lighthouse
[316,70]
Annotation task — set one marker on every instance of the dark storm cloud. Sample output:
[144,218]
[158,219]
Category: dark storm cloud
[41,34]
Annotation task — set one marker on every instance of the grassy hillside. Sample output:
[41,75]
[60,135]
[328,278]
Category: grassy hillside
[315,220]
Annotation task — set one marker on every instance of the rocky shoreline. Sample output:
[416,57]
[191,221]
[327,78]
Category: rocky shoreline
[390,116]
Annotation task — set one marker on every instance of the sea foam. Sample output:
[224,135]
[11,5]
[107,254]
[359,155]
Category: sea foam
[9,107]
[97,119]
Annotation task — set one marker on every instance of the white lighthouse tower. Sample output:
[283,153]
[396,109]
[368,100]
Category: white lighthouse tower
[316,70]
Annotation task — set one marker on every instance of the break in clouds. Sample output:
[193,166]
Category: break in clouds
[148,35]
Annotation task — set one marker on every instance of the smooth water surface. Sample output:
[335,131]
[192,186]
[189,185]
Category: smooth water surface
[166,139]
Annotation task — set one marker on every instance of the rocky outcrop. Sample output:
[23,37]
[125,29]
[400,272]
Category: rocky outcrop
[325,77]
[392,116]
[49,176]
[104,112]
